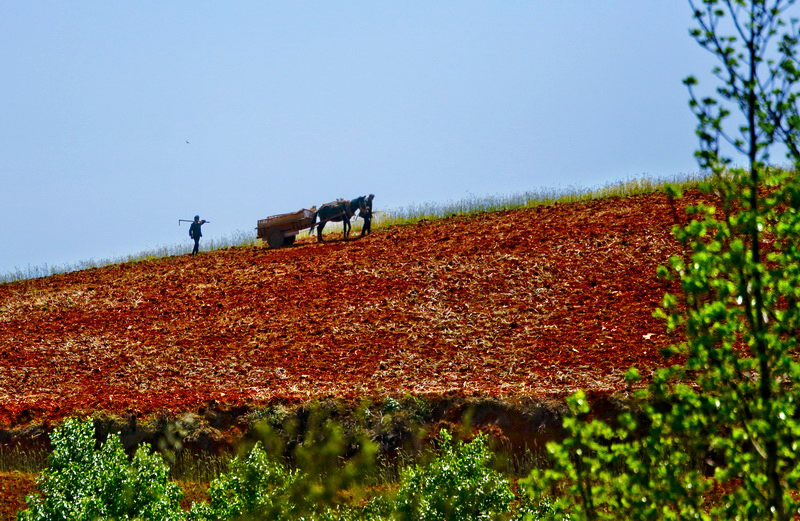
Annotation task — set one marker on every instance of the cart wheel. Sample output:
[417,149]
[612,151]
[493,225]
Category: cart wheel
[275,239]
[288,241]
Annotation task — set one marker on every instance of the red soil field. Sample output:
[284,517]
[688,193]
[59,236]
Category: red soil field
[535,303]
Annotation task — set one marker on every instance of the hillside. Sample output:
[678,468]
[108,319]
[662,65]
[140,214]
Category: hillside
[536,302]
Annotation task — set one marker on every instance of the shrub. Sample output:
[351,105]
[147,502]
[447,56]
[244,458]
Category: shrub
[256,487]
[81,483]
[457,485]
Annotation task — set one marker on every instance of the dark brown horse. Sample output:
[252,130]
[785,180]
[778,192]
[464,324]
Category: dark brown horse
[340,210]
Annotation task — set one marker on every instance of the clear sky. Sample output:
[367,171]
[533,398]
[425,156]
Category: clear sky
[289,104]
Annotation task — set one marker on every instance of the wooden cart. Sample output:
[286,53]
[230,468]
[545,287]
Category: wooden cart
[281,230]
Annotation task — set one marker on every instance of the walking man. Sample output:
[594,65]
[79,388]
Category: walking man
[366,214]
[195,233]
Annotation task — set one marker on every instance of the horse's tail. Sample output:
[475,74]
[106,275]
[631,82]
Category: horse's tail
[313,223]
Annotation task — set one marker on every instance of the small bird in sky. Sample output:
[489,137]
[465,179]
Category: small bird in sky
[187,142]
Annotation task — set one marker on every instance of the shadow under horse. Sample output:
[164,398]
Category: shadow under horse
[340,210]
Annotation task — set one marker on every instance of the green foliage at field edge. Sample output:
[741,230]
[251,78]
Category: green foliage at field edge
[86,481]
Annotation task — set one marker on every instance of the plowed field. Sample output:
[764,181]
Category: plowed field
[535,302]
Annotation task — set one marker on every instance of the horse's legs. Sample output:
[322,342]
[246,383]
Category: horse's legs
[346,226]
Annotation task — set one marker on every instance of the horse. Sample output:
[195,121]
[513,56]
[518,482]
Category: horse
[340,210]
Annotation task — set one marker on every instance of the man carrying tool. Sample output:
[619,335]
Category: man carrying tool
[195,233]
[366,214]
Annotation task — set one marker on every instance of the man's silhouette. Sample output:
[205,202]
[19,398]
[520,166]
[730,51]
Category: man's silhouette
[366,214]
[195,233]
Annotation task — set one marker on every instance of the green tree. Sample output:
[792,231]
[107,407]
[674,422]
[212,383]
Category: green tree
[727,417]
[457,485]
[82,483]
[255,487]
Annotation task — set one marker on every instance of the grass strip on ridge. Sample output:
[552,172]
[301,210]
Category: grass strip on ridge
[543,197]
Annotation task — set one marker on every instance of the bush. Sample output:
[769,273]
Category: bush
[257,487]
[81,483]
[457,485]
[87,482]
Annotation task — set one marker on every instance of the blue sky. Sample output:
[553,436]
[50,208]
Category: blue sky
[287,105]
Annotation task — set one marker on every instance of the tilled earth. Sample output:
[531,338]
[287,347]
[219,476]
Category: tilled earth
[536,302]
